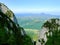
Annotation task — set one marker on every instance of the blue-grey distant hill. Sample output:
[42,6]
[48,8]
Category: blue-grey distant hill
[37,14]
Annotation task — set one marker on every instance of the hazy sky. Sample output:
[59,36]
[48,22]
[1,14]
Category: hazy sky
[33,6]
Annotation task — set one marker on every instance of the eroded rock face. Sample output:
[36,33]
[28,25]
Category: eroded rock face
[6,10]
[10,31]
[48,27]
[42,33]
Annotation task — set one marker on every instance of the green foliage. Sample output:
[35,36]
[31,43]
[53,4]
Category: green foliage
[27,40]
[10,32]
[9,13]
[54,38]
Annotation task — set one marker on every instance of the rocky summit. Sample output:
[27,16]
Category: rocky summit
[10,31]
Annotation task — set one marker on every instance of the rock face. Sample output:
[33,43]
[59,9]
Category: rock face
[8,12]
[48,28]
[10,31]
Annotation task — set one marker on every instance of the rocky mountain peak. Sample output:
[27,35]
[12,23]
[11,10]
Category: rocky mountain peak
[6,10]
[10,31]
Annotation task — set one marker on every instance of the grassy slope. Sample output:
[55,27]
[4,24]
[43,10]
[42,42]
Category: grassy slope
[33,33]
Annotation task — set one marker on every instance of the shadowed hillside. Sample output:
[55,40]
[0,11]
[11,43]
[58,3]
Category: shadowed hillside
[10,31]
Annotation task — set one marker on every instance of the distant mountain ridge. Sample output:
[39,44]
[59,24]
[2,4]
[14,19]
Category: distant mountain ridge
[38,14]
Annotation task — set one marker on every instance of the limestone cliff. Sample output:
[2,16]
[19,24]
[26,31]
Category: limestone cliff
[10,31]
[50,30]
